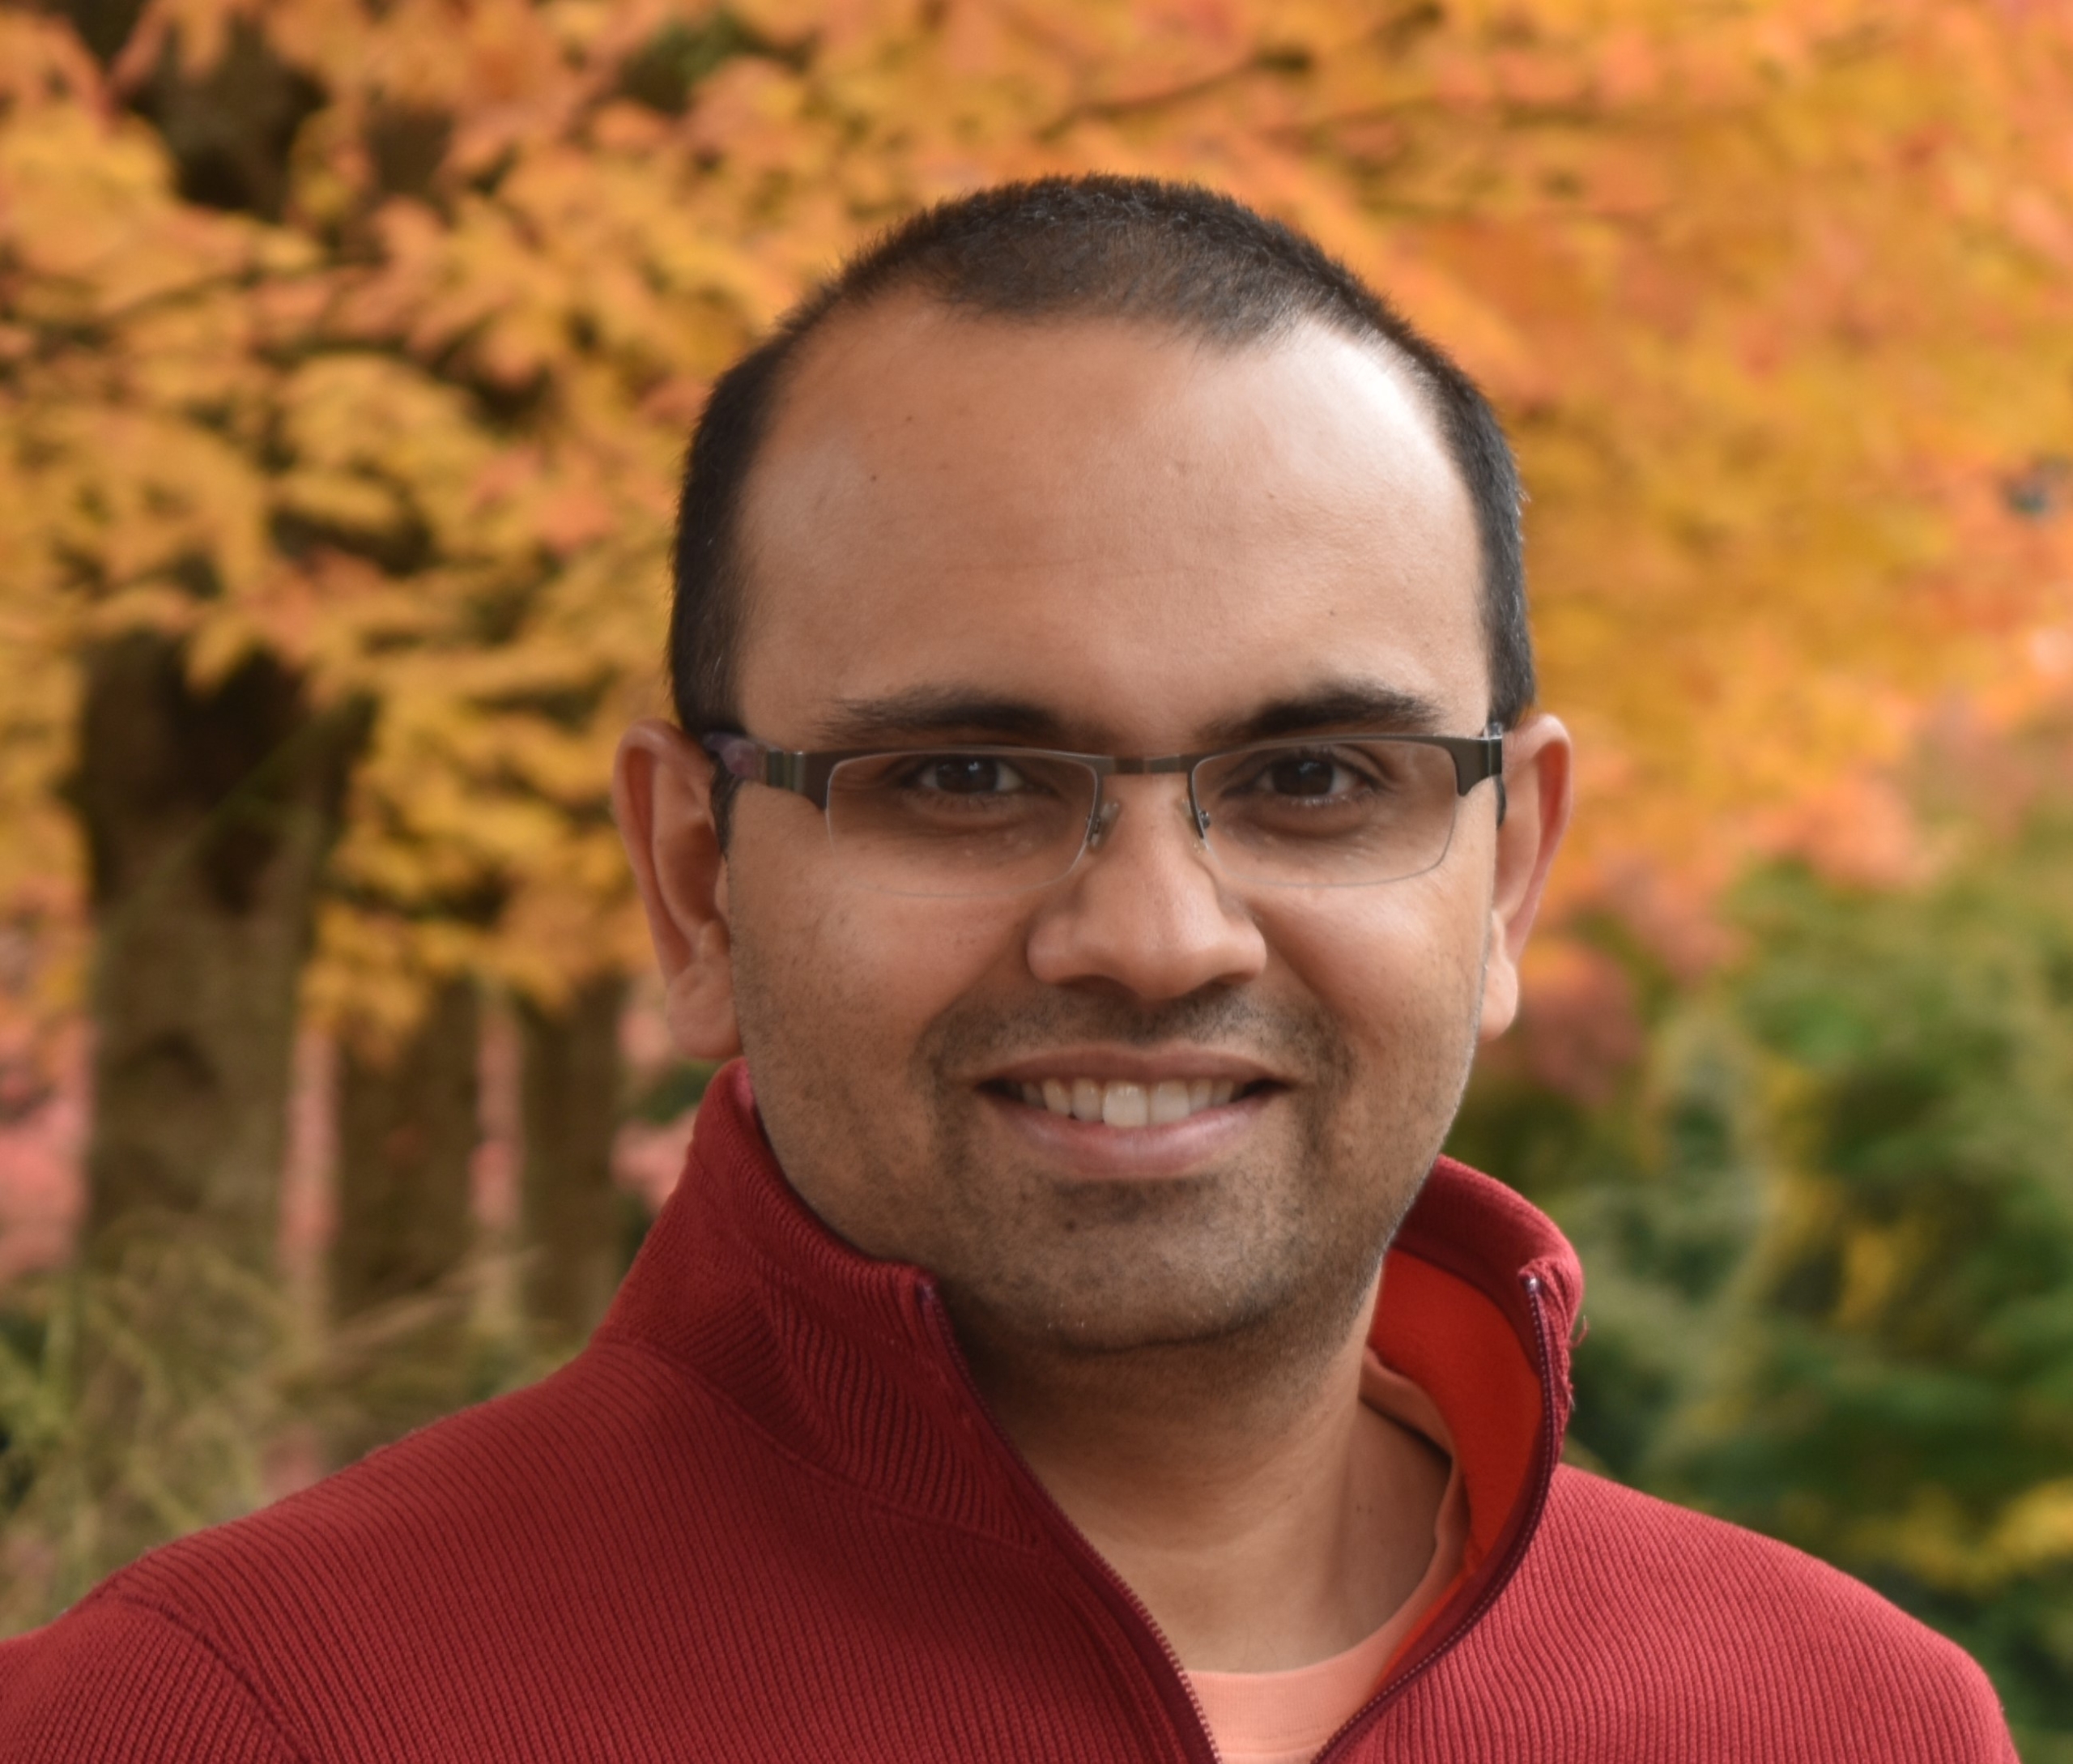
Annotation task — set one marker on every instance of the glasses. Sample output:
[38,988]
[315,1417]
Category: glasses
[956,822]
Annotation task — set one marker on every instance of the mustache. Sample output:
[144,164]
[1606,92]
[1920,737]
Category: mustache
[975,1034]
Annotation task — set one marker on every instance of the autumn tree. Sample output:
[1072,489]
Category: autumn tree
[388,377]
[347,351]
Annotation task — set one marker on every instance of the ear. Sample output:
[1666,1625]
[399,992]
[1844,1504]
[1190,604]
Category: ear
[662,798]
[1537,782]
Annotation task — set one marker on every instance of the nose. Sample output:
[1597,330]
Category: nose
[1144,910]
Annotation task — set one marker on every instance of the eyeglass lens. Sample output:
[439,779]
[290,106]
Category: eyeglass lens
[963,822]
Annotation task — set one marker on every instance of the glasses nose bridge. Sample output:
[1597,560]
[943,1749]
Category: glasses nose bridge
[1108,809]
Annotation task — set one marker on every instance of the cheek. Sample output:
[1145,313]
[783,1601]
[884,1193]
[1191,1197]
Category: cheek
[834,992]
[857,975]
[1389,964]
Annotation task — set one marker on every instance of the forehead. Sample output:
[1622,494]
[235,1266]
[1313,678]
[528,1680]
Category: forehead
[1144,535]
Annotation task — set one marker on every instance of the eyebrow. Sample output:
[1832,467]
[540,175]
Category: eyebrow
[1370,707]
[940,710]
[935,712]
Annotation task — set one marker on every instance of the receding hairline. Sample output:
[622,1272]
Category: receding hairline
[850,313]
[1183,260]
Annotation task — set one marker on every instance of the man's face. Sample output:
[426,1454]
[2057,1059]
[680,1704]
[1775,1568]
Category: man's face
[1097,537]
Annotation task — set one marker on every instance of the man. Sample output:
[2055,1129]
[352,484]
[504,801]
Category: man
[1108,811]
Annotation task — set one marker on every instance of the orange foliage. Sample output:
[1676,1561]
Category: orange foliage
[1776,297]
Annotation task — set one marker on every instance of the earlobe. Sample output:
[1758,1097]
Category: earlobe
[1500,993]
[663,799]
[1537,773]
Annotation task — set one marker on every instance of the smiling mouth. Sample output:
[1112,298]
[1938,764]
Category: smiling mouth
[1122,1103]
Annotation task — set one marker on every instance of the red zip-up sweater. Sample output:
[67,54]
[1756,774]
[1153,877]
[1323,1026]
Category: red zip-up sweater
[765,1514]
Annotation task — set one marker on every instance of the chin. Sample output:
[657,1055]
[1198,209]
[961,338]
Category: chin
[1150,1299]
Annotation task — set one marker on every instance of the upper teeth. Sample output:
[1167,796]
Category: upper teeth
[1122,1104]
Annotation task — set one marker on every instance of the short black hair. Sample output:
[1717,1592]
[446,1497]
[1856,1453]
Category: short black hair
[1175,256]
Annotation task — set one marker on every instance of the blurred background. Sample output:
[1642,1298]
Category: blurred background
[347,351]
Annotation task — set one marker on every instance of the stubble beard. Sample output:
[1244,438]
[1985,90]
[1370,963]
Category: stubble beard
[1247,1272]
[1265,1260]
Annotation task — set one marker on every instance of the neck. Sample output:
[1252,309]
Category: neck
[1266,1518]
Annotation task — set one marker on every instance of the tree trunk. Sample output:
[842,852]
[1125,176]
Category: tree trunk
[408,1131]
[571,1086]
[207,818]
[408,1125]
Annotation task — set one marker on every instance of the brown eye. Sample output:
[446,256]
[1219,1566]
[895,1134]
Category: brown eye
[1304,775]
[968,774]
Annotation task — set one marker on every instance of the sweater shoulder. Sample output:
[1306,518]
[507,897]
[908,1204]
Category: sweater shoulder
[541,1463]
[1688,1609]
[1605,1536]
[433,1543]
[118,1681]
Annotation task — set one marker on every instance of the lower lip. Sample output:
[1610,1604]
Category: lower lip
[1094,1152]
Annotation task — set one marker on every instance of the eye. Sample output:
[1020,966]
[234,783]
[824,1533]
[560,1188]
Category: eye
[1306,774]
[968,774]
[1312,776]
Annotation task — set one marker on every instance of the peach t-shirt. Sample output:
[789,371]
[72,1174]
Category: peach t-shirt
[1285,1717]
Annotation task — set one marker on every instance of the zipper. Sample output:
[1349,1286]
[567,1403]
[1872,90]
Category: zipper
[1125,1604]
[1339,1746]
